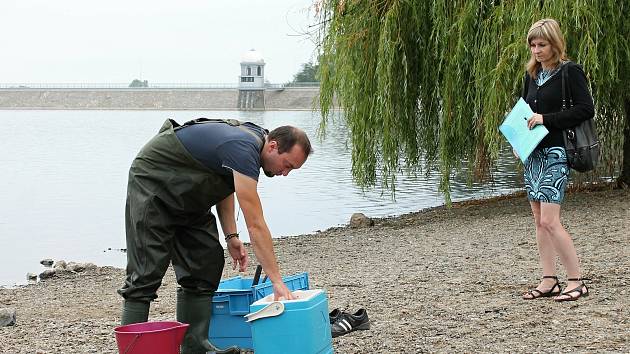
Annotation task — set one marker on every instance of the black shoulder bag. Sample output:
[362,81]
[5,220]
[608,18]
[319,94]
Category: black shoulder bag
[580,142]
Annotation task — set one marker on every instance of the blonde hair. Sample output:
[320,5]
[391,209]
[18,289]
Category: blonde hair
[546,29]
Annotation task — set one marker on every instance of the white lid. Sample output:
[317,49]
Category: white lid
[300,295]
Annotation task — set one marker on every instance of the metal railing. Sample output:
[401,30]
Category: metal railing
[292,84]
[122,86]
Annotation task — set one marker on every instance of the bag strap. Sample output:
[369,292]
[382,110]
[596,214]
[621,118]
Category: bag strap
[564,73]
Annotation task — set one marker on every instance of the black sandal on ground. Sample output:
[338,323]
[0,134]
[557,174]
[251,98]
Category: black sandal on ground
[553,291]
[581,290]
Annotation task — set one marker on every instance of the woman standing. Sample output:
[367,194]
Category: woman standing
[546,169]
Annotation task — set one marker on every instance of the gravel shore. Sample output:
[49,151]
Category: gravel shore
[440,280]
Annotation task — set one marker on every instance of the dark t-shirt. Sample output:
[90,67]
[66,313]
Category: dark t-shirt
[222,147]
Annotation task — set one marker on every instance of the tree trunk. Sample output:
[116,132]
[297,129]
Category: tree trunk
[624,179]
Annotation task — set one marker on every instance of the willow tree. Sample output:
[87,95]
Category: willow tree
[423,85]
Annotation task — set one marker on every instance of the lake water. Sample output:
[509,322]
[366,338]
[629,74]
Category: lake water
[64,175]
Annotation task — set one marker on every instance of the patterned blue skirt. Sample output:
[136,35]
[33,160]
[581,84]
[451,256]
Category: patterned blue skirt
[546,175]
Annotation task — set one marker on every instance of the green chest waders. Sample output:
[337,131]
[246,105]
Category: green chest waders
[168,218]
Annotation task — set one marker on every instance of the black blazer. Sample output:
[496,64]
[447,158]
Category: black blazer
[547,100]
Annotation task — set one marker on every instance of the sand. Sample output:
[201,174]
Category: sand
[439,280]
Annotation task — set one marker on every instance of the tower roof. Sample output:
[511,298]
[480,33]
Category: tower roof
[252,56]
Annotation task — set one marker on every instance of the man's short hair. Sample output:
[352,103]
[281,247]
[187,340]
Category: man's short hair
[287,136]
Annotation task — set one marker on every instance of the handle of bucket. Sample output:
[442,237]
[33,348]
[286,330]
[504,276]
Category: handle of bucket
[257,275]
[273,309]
[131,345]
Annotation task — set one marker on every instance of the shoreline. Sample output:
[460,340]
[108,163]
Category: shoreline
[84,260]
[436,280]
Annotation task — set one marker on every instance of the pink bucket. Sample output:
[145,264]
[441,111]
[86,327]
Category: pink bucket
[150,337]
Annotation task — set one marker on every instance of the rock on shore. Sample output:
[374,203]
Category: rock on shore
[7,317]
[440,280]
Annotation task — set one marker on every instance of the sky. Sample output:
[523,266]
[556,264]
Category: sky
[162,41]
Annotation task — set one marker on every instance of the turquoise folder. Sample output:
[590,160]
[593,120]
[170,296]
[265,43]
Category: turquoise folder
[515,130]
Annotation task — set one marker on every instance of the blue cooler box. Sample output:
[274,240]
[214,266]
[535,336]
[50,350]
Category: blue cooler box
[231,303]
[296,326]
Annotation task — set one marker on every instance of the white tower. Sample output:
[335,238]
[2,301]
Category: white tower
[252,71]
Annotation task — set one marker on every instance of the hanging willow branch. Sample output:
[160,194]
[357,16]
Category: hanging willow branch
[424,84]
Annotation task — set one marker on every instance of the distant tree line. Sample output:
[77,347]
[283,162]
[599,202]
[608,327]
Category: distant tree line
[139,83]
[308,73]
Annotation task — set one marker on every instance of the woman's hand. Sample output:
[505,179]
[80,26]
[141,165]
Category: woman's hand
[534,120]
[515,154]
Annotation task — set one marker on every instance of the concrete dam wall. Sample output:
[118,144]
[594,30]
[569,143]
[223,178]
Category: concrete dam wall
[290,98]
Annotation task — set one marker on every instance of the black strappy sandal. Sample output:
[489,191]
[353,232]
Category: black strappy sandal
[581,289]
[553,291]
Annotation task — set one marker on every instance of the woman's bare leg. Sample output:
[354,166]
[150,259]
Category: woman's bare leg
[561,240]
[546,252]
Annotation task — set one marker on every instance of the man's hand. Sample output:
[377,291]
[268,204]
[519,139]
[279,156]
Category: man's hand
[238,254]
[259,234]
[281,292]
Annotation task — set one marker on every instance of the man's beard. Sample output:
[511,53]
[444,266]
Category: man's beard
[268,174]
